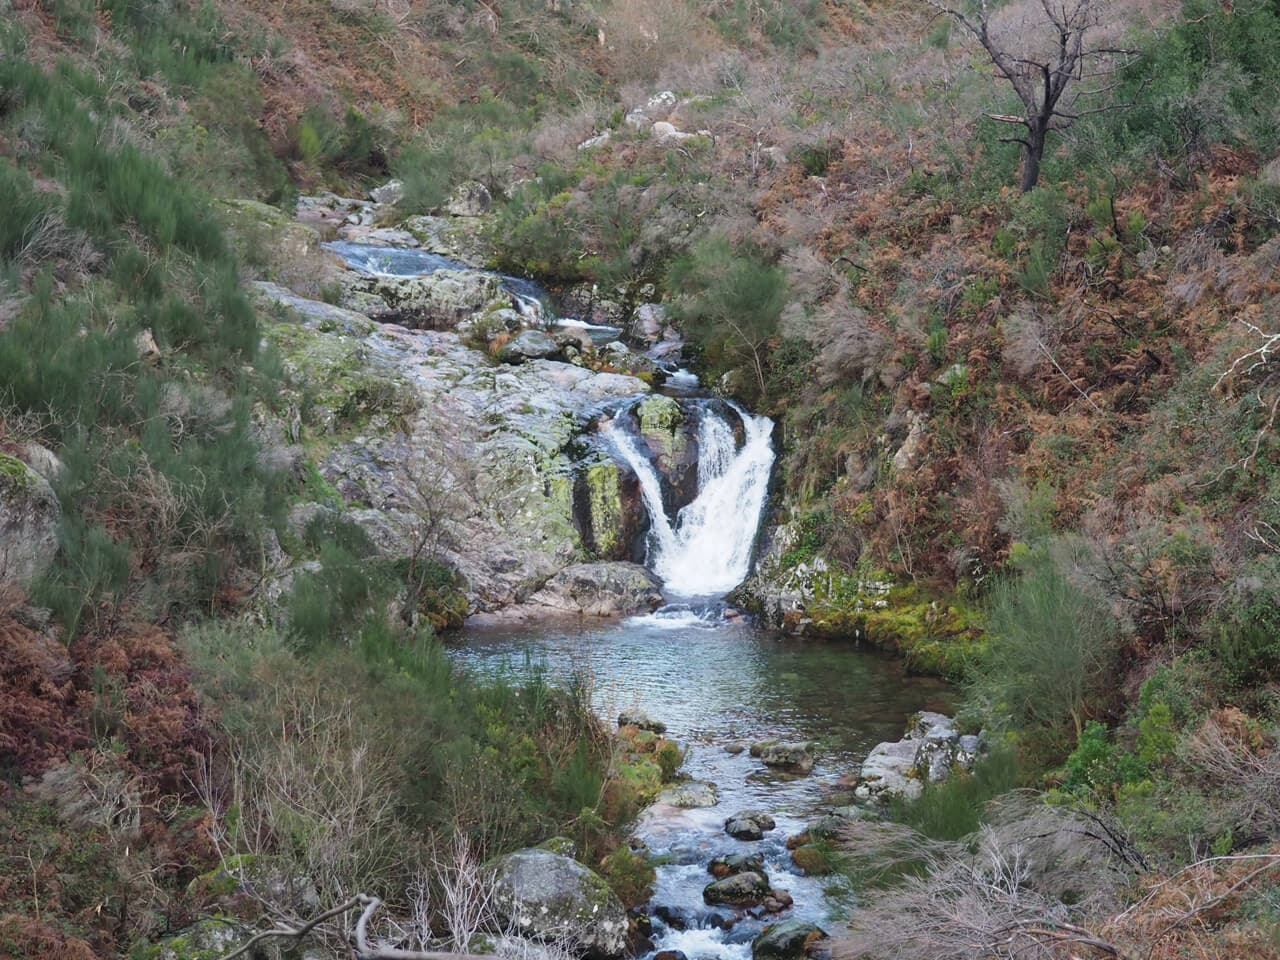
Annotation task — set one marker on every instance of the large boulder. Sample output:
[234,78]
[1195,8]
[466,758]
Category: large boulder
[604,589]
[434,301]
[740,889]
[209,939]
[28,522]
[786,940]
[550,897]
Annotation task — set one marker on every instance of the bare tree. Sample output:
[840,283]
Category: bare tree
[1049,63]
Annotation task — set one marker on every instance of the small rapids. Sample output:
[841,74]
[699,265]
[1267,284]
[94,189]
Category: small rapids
[530,297]
[706,551]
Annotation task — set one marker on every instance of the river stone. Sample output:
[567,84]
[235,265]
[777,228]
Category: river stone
[529,345]
[741,889]
[691,794]
[635,717]
[791,757]
[604,589]
[749,824]
[434,301]
[670,955]
[785,940]
[729,864]
[552,897]
[29,515]
[735,748]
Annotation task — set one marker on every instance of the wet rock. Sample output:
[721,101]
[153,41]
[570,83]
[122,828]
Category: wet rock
[604,589]
[673,917]
[529,345]
[29,513]
[648,323]
[635,717]
[729,864]
[670,955]
[776,902]
[749,824]
[786,940]
[741,889]
[760,746]
[735,748]
[552,897]
[790,757]
[690,795]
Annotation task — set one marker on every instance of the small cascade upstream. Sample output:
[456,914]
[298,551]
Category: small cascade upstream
[706,551]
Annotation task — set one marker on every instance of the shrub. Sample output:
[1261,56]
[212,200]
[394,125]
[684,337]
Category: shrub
[730,300]
[1051,647]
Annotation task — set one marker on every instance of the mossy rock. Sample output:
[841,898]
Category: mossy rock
[659,414]
[564,846]
[210,939]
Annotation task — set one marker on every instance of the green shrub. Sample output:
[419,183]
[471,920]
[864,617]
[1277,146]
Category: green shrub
[1051,646]
[729,301]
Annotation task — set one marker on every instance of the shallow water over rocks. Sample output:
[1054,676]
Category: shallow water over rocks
[715,684]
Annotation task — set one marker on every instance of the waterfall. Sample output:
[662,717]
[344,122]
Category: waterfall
[707,550]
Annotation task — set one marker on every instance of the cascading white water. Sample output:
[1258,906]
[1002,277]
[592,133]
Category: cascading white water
[707,550]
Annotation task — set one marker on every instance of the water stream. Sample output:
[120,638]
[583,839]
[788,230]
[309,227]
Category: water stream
[713,678]
[716,680]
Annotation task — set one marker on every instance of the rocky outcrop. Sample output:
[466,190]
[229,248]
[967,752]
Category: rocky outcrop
[434,301]
[604,589]
[29,515]
[635,717]
[550,897]
[430,438]
[930,750]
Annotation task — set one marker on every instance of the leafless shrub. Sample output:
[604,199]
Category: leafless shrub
[1003,899]
[94,791]
[311,792]
[646,35]
[1244,771]
[852,345]
[1023,336]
